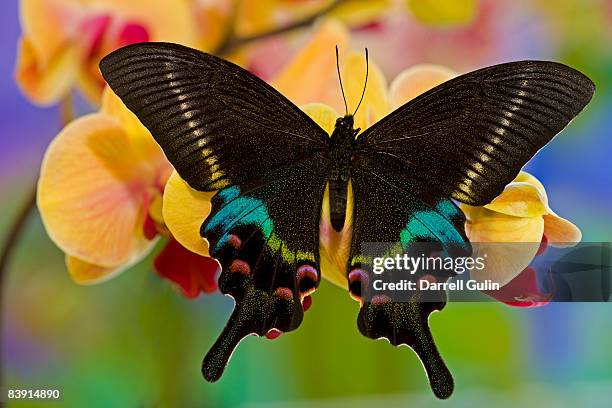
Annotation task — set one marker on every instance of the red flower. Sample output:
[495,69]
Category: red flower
[193,273]
[523,290]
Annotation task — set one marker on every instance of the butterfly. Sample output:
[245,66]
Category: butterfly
[223,129]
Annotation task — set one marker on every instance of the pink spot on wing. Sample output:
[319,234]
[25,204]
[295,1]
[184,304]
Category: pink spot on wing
[379,300]
[234,241]
[284,293]
[429,278]
[358,275]
[240,266]
[307,277]
[273,334]
[358,283]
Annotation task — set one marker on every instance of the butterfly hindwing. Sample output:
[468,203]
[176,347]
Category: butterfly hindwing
[472,134]
[218,124]
[266,239]
[392,217]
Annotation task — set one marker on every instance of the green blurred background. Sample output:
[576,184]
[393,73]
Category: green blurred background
[134,341]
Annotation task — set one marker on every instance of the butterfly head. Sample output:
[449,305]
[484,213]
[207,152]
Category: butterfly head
[345,126]
[345,122]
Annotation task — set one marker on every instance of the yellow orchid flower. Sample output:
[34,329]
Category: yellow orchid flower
[100,196]
[511,229]
[63,40]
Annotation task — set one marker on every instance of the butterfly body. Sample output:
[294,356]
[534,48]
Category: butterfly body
[342,144]
[223,129]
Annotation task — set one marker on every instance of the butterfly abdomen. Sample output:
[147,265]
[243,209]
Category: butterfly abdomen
[341,143]
[337,202]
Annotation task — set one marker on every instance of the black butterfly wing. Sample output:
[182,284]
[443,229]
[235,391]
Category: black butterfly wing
[393,217]
[218,124]
[465,139]
[224,129]
[266,238]
[471,135]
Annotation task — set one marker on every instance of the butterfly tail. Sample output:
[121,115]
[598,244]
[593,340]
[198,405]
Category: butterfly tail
[406,323]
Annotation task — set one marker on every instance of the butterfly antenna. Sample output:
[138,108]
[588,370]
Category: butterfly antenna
[340,78]
[365,84]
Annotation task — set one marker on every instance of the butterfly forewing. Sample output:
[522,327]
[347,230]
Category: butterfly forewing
[471,135]
[218,124]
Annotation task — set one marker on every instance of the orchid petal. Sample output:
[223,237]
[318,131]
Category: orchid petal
[324,115]
[311,75]
[560,232]
[191,272]
[211,21]
[414,81]
[334,247]
[510,243]
[184,210]
[40,20]
[520,199]
[45,82]
[92,193]
[524,177]
[522,291]
[170,21]
[149,152]
[85,273]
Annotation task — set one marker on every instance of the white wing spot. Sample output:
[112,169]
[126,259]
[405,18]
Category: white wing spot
[517,101]
[467,182]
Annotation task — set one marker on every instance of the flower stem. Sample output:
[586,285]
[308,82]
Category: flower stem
[18,225]
[231,41]
[15,231]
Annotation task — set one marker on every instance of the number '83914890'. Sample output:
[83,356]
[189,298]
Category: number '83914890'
[37,393]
